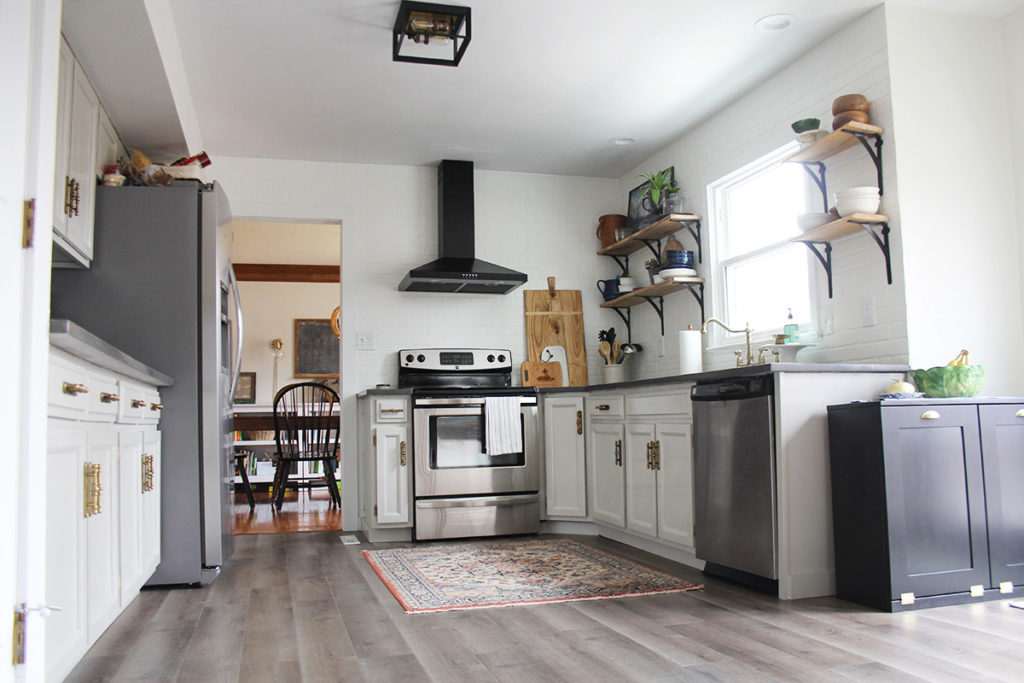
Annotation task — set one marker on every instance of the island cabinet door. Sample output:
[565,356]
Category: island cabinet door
[606,461]
[1002,445]
[641,492]
[936,499]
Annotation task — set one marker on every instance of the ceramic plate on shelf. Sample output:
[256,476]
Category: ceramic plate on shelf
[677,272]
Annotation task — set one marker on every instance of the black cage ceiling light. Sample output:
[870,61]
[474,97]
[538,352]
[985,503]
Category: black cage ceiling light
[424,32]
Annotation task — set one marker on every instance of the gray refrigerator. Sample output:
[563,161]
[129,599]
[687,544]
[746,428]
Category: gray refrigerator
[161,289]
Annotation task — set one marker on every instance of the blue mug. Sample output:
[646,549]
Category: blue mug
[609,288]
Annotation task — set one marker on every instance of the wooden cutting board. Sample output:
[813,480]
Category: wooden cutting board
[555,318]
[537,374]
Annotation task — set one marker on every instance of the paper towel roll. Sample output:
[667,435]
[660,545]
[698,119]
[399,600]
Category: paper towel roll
[691,353]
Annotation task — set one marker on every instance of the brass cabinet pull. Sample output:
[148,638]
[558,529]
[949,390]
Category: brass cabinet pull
[401,450]
[603,406]
[71,205]
[156,406]
[67,195]
[147,472]
[74,389]
[109,398]
[930,415]
[657,455]
[138,403]
[92,481]
[650,455]
[1020,413]
[579,421]
[392,410]
[618,452]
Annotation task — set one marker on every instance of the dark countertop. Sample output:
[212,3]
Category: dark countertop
[745,371]
[955,400]
[76,340]
[389,391]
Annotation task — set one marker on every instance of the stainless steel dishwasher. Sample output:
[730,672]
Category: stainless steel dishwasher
[734,480]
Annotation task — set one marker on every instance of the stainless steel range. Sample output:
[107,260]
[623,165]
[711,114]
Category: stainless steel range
[476,446]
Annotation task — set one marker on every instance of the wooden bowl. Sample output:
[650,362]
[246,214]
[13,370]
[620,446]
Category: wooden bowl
[849,103]
[844,117]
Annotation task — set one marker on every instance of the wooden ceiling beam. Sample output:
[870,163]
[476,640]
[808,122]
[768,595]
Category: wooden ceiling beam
[285,272]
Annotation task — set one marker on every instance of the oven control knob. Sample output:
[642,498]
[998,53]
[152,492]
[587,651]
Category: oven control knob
[501,358]
[490,358]
[421,358]
[408,358]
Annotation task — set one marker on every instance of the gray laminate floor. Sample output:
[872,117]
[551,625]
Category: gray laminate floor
[304,607]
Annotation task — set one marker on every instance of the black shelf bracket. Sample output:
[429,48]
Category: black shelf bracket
[623,264]
[627,318]
[875,154]
[654,246]
[818,178]
[881,238]
[693,227]
[699,296]
[659,308]
[826,260]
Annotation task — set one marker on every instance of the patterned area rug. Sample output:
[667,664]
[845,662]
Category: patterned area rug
[432,578]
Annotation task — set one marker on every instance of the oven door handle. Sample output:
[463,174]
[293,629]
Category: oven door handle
[525,401]
[484,501]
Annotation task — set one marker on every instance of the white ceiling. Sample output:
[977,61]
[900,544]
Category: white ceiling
[544,87]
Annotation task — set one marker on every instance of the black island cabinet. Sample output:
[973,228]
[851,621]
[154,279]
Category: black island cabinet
[925,501]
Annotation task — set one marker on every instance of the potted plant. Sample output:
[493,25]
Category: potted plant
[653,266]
[660,186]
[626,282]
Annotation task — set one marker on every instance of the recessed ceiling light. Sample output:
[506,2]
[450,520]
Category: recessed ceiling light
[622,141]
[775,22]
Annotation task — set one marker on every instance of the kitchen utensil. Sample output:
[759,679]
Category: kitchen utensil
[538,374]
[616,351]
[607,226]
[804,125]
[604,349]
[556,354]
[843,118]
[855,102]
[555,318]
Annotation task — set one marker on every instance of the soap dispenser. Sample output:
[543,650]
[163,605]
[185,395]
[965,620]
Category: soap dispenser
[791,329]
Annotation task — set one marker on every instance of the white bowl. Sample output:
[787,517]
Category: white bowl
[787,352]
[849,205]
[852,191]
[810,221]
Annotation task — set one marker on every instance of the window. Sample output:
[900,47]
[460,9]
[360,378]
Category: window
[758,274]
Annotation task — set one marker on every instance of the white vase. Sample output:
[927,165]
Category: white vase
[613,372]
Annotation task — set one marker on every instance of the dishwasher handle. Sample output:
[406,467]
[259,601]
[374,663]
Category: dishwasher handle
[730,389]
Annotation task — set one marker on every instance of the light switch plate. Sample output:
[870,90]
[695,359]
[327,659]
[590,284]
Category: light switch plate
[366,341]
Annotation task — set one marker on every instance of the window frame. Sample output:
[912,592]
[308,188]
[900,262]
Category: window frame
[718,338]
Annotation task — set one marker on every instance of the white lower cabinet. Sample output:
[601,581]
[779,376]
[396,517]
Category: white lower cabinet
[659,481]
[103,519]
[565,483]
[392,454]
[608,502]
[385,482]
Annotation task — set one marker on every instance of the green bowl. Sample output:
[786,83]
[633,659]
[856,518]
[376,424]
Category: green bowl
[804,125]
[947,381]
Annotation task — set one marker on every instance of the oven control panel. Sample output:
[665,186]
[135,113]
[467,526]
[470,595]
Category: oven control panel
[455,360]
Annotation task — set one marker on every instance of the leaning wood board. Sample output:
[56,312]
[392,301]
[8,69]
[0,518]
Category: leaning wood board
[555,318]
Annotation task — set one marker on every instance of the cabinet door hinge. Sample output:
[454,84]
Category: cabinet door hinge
[375,438]
[18,638]
[374,509]
[28,223]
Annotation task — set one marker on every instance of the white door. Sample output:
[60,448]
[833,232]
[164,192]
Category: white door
[641,494]
[392,475]
[565,468]
[29,51]
[151,505]
[608,499]
[675,483]
[85,108]
[130,454]
[102,575]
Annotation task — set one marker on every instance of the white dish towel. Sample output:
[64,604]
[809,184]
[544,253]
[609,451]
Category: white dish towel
[504,426]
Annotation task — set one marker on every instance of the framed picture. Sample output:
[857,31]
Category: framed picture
[245,391]
[316,348]
[641,211]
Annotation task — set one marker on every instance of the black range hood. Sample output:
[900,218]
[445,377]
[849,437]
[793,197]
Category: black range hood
[457,269]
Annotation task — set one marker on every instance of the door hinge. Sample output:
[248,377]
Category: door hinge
[374,509]
[375,438]
[28,223]
[18,638]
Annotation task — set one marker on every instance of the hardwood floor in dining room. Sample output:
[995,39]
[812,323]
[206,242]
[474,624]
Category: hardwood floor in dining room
[304,510]
[305,607]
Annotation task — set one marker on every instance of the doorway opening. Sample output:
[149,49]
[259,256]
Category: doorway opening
[289,277]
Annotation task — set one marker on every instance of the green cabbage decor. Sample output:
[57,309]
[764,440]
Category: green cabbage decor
[946,381]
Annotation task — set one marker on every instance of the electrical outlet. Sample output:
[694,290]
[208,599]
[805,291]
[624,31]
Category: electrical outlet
[828,323]
[366,341]
[867,311]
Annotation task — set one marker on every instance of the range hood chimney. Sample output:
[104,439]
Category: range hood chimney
[457,269]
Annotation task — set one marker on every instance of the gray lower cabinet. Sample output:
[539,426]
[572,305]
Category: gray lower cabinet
[922,498]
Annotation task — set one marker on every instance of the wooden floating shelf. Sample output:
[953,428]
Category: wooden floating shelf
[666,225]
[639,296]
[847,225]
[834,142]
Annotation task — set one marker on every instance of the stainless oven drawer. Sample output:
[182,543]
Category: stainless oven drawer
[477,516]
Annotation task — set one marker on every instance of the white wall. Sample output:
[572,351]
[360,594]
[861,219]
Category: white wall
[851,61]
[1013,46]
[958,213]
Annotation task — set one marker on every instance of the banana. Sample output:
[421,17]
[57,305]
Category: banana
[961,358]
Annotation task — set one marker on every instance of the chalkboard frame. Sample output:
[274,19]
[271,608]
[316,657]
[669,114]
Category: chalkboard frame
[316,349]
